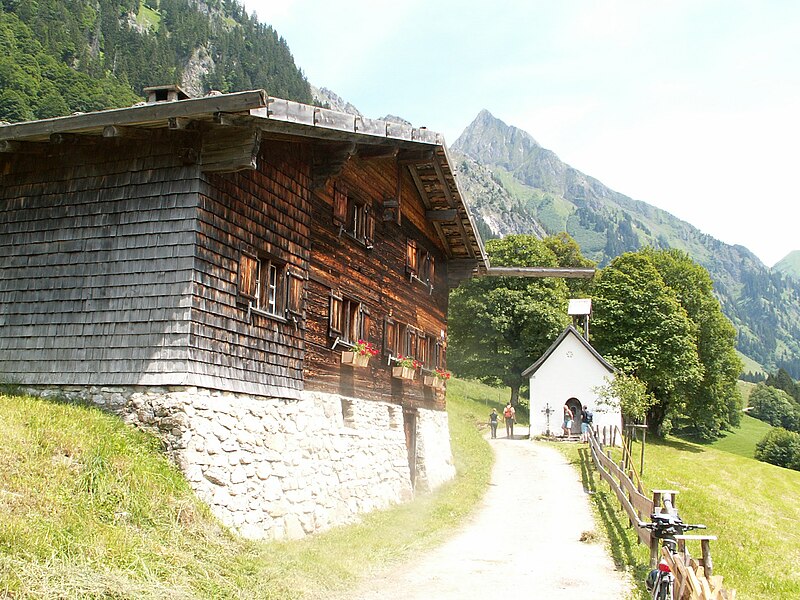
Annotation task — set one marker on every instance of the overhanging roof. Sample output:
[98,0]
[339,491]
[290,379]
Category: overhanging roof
[430,169]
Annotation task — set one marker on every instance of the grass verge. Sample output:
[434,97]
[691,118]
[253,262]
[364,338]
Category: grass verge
[751,506]
[89,508]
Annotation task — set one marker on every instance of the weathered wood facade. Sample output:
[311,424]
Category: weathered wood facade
[205,262]
[124,243]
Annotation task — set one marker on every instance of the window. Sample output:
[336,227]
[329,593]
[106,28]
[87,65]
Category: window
[419,263]
[349,319]
[269,286]
[353,216]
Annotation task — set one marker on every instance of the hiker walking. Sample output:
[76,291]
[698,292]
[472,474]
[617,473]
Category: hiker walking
[509,414]
[493,416]
[586,423]
[566,426]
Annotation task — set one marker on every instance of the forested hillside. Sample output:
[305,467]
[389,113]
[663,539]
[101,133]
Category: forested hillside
[62,56]
[515,186]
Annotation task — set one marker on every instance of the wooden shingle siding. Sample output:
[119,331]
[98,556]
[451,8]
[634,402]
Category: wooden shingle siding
[376,277]
[262,212]
[96,258]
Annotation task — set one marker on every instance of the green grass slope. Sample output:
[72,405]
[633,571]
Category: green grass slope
[90,508]
[743,441]
[751,506]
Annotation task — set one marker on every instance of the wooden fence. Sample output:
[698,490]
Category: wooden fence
[694,578]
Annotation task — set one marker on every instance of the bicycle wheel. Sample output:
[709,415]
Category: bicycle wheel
[665,589]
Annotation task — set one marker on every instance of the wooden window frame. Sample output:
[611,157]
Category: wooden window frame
[354,216]
[269,287]
[348,319]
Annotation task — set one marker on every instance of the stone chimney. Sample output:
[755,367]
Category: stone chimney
[165,93]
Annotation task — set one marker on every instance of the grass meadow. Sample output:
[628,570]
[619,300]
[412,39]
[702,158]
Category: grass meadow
[752,507]
[90,508]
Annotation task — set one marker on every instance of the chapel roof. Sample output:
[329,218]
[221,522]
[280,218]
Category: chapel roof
[570,330]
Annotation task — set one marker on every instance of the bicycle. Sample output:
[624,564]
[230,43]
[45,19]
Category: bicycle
[660,582]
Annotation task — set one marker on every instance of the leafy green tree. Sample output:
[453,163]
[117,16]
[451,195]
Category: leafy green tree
[628,395]
[568,253]
[783,381]
[711,403]
[642,329]
[775,407]
[498,326]
[780,447]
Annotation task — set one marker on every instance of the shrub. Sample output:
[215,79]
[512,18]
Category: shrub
[780,447]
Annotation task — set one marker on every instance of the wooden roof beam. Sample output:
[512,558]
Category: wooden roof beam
[451,202]
[374,152]
[73,139]
[416,157]
[128,133]
[566,273]
[11,146]
[426,202]
[331,163]
[448,215]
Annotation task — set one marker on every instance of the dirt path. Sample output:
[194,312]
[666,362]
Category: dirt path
[538,556]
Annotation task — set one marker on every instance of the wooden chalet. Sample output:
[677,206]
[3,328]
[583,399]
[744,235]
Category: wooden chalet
[235,244]
[237,241]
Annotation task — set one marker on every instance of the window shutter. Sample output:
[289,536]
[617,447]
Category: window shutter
[335,316]
[411,257]
[339,204]
[430,268]
[389,333]
[365,324]
[369,231]
[411,344]
[294,293]
[422,347]
[437,355]
[248,275]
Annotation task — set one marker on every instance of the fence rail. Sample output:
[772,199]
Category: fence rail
[694,577]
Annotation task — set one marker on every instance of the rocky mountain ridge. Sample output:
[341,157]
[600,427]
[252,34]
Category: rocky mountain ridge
[539,193]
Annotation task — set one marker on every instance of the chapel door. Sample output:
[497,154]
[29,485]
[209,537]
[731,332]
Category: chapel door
[575,406]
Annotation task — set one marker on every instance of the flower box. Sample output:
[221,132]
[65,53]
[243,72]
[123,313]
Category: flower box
[403,373]
[433,381]
[355,359]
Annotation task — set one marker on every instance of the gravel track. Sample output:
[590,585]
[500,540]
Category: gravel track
[524,541]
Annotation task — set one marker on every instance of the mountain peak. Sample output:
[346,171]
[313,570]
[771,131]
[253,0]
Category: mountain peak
[789,265]
[491,141]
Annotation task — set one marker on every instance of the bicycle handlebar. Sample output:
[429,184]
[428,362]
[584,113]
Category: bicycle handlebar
[676,522]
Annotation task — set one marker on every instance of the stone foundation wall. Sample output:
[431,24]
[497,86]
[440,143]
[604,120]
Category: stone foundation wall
[275,468]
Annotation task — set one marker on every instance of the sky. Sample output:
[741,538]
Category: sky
[692,106]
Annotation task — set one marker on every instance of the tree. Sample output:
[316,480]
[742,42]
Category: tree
[568,254]
[780,447]
[712,403]
[498,326]
[629,395]
[775,407]
[783,381]
[642,329]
